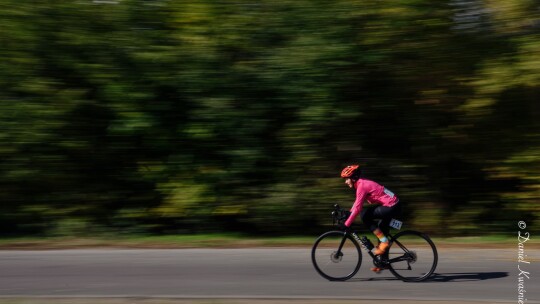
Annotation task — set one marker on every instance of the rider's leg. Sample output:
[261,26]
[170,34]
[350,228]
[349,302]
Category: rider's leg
[380,235]
[385,214]
[380,229]
[382,247]
[368,217]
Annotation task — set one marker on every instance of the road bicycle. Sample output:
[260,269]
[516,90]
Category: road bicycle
[336,255]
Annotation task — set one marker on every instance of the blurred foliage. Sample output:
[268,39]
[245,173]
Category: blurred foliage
[157,116]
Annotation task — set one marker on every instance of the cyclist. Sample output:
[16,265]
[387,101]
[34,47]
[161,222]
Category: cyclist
[387,206]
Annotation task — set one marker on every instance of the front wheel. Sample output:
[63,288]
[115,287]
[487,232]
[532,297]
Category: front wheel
[412,256]
[336,256]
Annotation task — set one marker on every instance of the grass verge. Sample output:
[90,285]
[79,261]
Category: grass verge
[221,241]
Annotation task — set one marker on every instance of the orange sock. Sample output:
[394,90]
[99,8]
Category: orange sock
[380,235]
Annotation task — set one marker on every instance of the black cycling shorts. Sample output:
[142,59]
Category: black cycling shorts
[372,215]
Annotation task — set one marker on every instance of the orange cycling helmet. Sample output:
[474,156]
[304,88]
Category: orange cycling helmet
[351,171]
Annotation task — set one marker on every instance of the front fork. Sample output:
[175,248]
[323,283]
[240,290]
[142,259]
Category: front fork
[338,252]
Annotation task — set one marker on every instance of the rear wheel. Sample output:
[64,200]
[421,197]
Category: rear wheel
[333,263]
[413,256]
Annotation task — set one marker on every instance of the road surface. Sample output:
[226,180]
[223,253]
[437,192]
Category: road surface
[487,275]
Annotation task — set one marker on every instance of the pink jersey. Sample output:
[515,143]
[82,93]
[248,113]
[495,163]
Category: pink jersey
[373,193]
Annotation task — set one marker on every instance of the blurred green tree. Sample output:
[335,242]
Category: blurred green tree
[166,117]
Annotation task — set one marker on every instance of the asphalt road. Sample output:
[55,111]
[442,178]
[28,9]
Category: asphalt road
[487,275]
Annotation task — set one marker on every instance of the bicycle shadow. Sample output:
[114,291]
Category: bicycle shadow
[446,277]
[467,276]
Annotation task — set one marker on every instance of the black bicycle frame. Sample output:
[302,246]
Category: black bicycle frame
[402,258]
[405,257]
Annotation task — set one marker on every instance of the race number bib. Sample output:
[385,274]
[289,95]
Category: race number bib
[396,224]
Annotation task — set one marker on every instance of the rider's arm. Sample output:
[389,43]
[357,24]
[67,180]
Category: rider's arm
[357,206]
